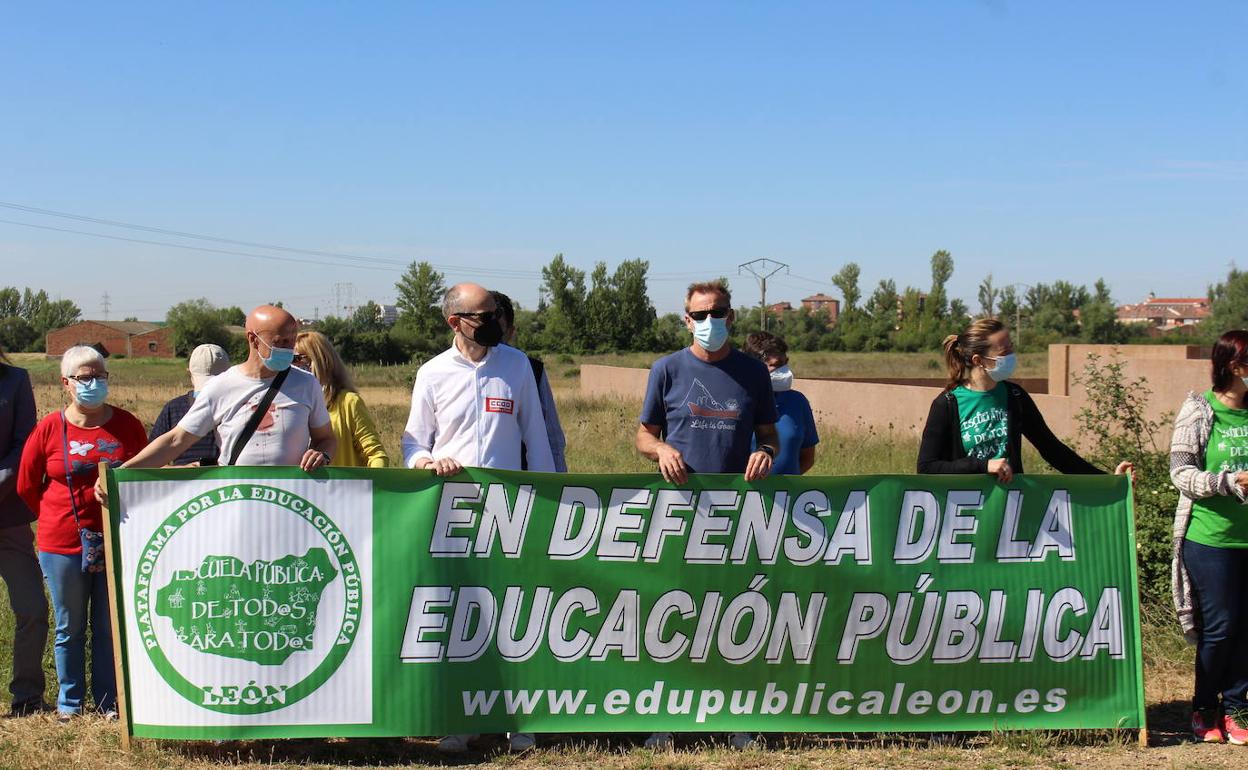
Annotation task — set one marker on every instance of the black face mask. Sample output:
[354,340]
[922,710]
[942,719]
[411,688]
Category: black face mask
[488,334]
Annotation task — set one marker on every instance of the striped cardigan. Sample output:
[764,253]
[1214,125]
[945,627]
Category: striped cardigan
[1192,427]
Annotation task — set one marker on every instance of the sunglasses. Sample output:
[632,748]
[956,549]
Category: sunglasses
[482,317]
[86,379]
[715,312]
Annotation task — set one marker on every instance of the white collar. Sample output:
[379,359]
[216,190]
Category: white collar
[458,356]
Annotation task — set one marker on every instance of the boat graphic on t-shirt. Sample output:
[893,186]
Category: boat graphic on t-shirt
[703,404]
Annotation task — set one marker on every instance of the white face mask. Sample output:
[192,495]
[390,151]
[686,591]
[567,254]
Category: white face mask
[1004,368]
[711,333]
[782,378]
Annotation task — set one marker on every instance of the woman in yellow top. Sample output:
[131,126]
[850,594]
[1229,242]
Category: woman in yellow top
[359,444]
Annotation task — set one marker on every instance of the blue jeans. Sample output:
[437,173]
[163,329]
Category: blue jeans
[76,599]
[1220,584]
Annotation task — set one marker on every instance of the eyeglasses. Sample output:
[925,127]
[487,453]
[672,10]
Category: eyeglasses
[86,379]
[300,360]
[715,312]
[483,317]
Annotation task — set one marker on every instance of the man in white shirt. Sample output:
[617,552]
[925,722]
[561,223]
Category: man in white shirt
[476,403]
[295,429]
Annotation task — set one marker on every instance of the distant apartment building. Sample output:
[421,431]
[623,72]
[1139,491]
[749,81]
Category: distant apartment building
[1165,312]
[387,314]
[822,303]
[780,307]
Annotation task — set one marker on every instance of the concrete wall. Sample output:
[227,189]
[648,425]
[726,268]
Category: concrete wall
[887,407]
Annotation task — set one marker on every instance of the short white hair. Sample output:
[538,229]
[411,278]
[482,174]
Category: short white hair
[79,356]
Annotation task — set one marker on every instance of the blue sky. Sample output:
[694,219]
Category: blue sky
[1035,141]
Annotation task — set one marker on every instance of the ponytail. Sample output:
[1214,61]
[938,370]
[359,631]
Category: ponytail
[954,363]
[961,348]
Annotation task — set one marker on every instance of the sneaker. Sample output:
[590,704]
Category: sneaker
[518,742]
[658,741]
[1206,727]
[65,717]
[456,744]
[1235,725]
[743,741]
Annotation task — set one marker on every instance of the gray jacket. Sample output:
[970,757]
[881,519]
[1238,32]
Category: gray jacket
[1192,428]
[17,420]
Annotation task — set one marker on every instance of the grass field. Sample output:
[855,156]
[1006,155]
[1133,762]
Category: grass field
[599,435]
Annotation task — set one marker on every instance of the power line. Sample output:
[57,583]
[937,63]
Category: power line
[488,271]
[184,246]
[362,262]
[392,263]
[197,236]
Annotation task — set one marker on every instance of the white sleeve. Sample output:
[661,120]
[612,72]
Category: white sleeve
[318,416]
[533,424]
[201,418]
[421,429]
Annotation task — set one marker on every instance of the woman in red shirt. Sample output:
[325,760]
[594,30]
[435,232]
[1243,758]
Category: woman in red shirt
[56,479]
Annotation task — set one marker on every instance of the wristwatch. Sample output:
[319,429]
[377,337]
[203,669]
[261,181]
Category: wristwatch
[324,457]
[768,450]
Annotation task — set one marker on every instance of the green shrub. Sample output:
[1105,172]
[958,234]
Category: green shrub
[1117,426]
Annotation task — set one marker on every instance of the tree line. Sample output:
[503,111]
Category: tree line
[609,310]
[26,317]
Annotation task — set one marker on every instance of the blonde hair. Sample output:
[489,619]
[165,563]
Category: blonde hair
[327,365]
[960,348]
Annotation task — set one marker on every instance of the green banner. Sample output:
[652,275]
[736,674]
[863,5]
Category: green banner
[266,602]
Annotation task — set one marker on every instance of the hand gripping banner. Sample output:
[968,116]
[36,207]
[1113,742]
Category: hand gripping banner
[267,602]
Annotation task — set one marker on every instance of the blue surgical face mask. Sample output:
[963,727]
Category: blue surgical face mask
[279,359]
[91,393]
[711,333]
[782,378]
[1004,368]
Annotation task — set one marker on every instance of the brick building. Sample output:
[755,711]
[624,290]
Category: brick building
[132,339]
[822,303]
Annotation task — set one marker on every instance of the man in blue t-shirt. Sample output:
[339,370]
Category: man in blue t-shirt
[705,404]
[796,425]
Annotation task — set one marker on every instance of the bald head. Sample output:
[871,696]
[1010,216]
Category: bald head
[270,318]
[467,298]
[269,327]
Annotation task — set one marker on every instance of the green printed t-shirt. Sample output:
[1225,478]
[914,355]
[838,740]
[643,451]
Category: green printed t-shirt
[1222,521]
[983,420]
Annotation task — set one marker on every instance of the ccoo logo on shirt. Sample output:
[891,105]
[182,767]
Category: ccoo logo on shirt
[503,405]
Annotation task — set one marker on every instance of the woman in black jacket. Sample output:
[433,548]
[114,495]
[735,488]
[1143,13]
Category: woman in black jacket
[976,425]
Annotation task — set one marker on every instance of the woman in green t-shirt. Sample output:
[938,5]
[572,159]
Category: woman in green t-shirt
[1209,465]
[977,424]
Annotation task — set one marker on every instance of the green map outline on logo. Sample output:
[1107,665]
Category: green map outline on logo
[196,694]
[269,607]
